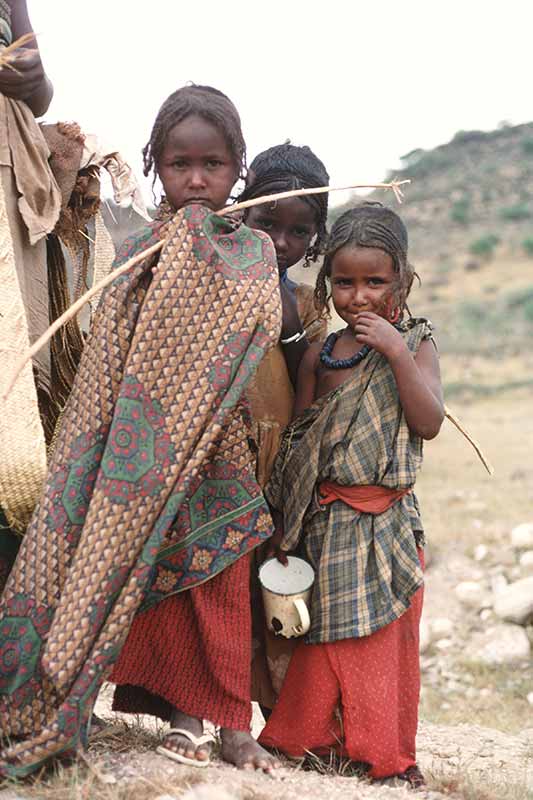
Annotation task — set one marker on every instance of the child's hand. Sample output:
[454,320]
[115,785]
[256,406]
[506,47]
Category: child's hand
[274,543]
[378,333]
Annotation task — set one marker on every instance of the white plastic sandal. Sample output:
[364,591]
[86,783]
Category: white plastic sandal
[197,741]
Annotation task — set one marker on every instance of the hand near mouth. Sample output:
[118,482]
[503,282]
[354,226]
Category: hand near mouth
[378,333]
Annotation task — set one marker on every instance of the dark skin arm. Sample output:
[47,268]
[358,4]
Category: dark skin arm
[31,84]
[291,324]
[305,396]
[306,388]
[417,377]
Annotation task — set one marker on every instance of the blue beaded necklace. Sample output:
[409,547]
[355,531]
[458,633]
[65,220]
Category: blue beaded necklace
[341,363]
[344,363]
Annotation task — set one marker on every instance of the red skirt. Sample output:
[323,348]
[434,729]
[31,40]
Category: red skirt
[358,697]
[192,652]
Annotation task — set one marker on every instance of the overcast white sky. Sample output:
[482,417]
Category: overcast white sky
[361,82]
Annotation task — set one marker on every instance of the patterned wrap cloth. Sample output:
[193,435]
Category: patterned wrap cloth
[367,565]
[151,489]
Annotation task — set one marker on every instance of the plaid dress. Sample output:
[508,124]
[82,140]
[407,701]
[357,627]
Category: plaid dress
[367,567]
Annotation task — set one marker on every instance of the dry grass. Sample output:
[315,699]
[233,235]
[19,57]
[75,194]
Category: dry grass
[81,783]
[479,508]
[468,786]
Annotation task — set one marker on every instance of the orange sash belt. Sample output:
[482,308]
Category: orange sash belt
[368,499]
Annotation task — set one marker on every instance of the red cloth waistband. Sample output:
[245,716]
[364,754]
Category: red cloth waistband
[368,499]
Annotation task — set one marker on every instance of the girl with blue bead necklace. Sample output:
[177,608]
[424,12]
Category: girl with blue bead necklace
[342,487]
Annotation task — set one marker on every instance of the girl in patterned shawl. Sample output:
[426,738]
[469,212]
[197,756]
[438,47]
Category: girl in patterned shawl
[343,486]
[188,658]
[151,508]
[297,227]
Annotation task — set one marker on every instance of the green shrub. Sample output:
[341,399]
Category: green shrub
[484,246]
[527,245]
[527,146]
[459,211]
[517,212]
[522,301]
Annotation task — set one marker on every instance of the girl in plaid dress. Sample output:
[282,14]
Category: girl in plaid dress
[343,489]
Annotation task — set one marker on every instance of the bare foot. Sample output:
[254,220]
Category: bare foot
[183,746]
[241,749]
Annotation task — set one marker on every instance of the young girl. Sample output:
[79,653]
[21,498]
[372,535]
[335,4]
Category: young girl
[151,495]
[297,227]
[343,483]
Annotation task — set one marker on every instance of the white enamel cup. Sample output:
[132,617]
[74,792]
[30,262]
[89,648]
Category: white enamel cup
[286,593]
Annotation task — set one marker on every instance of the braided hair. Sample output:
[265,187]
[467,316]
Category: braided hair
[368,225]
[203,101]
[285,167]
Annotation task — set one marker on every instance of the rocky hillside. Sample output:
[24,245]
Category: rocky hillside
[472,196]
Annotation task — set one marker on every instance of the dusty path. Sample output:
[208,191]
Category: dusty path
[470,760]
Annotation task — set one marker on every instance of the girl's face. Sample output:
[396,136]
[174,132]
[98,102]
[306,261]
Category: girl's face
[362,279]
[290,224]
[196,165]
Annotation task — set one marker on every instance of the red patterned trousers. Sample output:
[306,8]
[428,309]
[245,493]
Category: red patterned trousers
[192,652]
[374,682]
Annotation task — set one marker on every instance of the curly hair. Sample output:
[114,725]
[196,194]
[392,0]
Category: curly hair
[285,167]
[368,225]
[203,101]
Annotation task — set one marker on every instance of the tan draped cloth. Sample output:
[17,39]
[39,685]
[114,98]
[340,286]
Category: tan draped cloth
[272,399]
[272,395]
[30,203]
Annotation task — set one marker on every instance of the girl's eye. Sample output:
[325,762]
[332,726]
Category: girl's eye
[301,233]
[264,224]
[342,282]
[213,163]
[376,281]
[179,163]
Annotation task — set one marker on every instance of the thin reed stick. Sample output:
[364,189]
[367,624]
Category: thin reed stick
[395,186]
[453,419]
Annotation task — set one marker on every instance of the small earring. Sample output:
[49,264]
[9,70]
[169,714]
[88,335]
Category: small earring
[394,315]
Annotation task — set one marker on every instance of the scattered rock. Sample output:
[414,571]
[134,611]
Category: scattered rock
[471,594]
[501,644]
[472,266]
[530,698]
[443,644]
[522,536]
[498,583]
[441,627]
[204,791]
[481,552]
[526,561]
[515,602]
[166,797]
